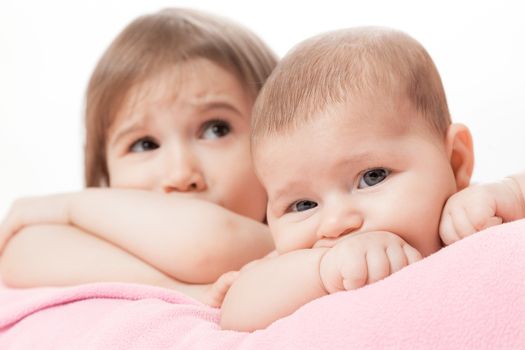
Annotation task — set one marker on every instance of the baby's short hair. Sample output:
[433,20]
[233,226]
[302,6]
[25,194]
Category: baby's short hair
[351,63]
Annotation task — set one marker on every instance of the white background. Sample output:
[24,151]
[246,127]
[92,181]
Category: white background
[49,48]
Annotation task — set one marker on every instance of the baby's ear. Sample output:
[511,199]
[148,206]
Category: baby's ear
[460,153]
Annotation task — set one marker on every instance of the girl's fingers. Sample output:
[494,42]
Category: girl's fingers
[219,289]
[225,281]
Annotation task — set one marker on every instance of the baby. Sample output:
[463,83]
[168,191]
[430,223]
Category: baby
[353,141]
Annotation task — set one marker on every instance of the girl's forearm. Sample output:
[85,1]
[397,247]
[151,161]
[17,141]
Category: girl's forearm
[58,255]
[191,240]
[271,289]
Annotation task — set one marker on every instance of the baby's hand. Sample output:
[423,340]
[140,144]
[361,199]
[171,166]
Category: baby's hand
[215,295]
[364,258]
[24,212]
[478,207]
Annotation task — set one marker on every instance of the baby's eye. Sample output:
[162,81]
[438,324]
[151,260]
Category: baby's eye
[215,129]
[302,205]
[372,177]
[143,145]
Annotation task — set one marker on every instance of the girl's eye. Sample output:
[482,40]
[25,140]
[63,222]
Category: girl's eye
[372,177]
[143,145]
[215,129]
[302,205]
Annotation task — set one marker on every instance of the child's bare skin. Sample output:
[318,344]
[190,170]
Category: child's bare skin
[167,134]
[353,142]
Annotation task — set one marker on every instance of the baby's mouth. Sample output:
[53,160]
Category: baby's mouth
[326,243]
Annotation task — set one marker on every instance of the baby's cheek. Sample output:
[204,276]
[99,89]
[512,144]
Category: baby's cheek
[290,236]
[424,230]
[282,235]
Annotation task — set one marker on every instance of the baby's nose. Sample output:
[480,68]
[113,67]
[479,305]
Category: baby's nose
[339,222]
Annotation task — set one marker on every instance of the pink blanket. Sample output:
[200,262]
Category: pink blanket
[469,295]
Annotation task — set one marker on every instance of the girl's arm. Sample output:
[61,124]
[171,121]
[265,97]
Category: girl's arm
[57,255]
[189,239]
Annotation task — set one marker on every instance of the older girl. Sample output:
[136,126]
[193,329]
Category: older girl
[167,138]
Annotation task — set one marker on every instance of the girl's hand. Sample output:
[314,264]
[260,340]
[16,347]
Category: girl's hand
[217,291]
[29,211]
[479,207]
[363,259]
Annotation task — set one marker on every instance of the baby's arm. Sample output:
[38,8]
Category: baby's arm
[275,287]
[58,255]
[519,182]
[480,206]
[271,289]
[188,239]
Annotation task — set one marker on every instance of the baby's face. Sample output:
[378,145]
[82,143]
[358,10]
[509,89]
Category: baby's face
[186,131]
[354,169]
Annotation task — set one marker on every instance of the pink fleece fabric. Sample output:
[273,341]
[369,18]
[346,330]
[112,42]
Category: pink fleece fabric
[470,295]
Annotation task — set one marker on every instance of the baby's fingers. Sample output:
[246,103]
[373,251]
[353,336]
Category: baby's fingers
[378,264]
[355,273]
[397,257]
[412,254]
[447,231]
[492,221]
[463,225]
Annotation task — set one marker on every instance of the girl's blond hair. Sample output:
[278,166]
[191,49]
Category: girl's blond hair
[150,44]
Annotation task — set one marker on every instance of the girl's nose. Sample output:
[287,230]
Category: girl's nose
[338,220]
[183,174]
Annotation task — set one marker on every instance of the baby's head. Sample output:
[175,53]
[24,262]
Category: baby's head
[168,109]
[352,133]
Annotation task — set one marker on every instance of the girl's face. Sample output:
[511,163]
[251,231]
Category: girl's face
[186,132]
